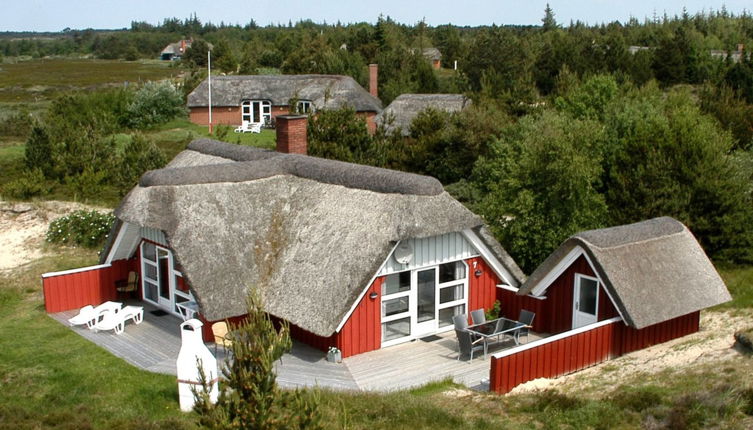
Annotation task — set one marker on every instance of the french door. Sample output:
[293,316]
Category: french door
[162,285]
[421,302]
[585,300]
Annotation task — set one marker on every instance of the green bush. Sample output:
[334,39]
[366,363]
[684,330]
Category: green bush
[155,103]
[31,184]
[83,228]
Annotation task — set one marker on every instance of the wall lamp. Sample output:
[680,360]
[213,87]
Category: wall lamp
[373,295]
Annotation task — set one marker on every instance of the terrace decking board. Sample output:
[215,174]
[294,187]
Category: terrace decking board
[154,344]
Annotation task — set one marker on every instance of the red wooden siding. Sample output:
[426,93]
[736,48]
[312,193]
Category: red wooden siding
[555,313]
[482,290]
[363,330]
[572,353]
[85,287]
[629,339]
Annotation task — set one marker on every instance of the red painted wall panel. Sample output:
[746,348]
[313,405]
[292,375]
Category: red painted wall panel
[482,290]
[89,287]
[363,330]
[582,350]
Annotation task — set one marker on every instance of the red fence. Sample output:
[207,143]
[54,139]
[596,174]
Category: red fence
[577,349]
[73,289]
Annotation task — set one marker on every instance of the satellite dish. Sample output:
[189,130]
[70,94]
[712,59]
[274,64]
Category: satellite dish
[403,253]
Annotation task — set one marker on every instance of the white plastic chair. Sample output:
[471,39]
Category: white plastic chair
[90,315]
[116,320]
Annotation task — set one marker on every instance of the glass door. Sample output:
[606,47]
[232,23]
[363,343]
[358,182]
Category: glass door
[396,308]
[585,300]
[426,302]
[158,276]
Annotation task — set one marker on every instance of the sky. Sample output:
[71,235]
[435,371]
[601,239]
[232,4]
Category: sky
[55,15]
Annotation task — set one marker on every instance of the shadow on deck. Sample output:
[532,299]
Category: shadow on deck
[154,344]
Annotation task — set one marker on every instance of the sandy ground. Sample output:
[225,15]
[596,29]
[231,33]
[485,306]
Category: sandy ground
[713,343]
[23,227]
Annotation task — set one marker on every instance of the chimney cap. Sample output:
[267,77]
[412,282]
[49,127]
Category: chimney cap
[292,116]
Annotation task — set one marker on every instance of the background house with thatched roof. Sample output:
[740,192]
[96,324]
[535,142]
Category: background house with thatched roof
[351,256]
[607,292]
[176,50]
[398,116]
[261,98]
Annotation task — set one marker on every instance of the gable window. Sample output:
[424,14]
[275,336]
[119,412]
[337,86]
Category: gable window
[256,111]
[304,107]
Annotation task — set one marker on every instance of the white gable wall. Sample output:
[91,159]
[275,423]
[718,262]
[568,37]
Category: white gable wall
[431,251]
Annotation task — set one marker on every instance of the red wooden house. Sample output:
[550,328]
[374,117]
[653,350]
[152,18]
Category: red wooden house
[351,256]
[607,292]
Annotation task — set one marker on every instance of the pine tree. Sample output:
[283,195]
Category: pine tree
[249,396]
[548,22]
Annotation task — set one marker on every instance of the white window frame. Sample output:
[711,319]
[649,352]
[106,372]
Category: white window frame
[412,294]
[171,275]
[248,111]
[304,107]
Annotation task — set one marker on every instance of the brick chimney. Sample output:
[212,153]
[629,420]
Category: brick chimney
[183,45]
[374,80]
[291,134]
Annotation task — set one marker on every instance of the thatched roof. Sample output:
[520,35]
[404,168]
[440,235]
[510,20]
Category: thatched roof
[324,91]
[309,233]
[655,270]
[432,54]
[400,113]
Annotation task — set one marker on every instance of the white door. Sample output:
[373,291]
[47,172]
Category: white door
[158,278]
[425,310]
[585,300]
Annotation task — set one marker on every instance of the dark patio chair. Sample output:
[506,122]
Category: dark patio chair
[467,346]
[478,316]
[526,317]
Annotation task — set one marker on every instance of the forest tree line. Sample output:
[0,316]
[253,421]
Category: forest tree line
[569,129]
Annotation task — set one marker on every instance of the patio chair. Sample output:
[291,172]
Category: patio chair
[467,346]
[90,315]
[478,316]
[460,321]
[116,320]
[130,285]
[526,317]
[219,330]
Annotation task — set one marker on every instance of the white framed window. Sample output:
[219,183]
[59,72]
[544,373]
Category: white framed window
[304,107]
[396,306]
[162,284]
[256,111]
[453,291]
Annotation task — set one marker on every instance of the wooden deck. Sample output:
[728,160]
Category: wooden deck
[154,344]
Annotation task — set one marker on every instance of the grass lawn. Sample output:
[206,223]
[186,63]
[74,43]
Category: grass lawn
[53,378]
[739,280]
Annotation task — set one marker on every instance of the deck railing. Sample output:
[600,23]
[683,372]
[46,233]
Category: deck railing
[580,348]
[72,289]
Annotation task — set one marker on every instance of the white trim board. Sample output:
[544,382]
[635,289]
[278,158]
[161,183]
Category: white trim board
[556,337]
[80,269]
[495,264]
[365,289]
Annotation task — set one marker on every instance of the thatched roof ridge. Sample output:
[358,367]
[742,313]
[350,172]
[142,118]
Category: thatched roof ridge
[248,164]
[324,91]
[655,270]
[403,110]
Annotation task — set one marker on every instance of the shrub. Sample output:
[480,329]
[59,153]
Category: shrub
[139,155]
[38,151]
[31,184]
[16,125]
[83,228]
[154,103]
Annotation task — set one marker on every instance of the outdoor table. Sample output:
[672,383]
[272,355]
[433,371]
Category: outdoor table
[187,310]
[496,328]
